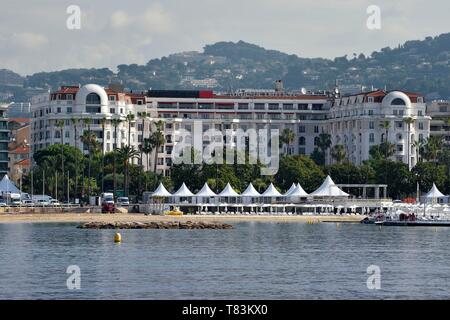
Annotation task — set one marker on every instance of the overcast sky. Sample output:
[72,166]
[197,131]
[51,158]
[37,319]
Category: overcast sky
[34,36]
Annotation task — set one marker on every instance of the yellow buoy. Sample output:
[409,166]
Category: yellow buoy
[117,238]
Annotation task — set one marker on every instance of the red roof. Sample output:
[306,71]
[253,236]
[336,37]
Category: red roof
[23,162]
[21,150]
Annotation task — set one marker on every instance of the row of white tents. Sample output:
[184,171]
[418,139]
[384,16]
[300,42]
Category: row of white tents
[328,189]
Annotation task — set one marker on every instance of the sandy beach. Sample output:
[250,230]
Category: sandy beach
[89,217]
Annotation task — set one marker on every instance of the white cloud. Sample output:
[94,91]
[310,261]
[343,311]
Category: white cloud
[29,40]
[34,37]
[120,19]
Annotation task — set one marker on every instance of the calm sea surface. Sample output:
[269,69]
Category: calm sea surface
[256,260]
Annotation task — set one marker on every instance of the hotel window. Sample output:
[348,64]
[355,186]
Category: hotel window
[93,98]
[317,106]
[301,129]
[371,125]
[420,113]
[302,106]
[69,109]
[395,112]
[316,129]
[93,109]
[108,135]
[399,148]
[140,102]
[443,109]
[370,99]
[112,110]
[420,125]
[112,98]
[401,112]
[372,138]
[301,141]
[316,141]
[67,134]
[260,106]
[69,97]
[58,110]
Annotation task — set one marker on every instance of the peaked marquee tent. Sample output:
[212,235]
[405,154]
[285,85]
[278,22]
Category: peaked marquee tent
[329,189]
[6,186]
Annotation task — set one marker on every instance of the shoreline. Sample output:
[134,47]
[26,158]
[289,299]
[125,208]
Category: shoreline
[97,217]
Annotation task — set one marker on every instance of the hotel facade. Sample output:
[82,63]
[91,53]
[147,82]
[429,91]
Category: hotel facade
[356,121]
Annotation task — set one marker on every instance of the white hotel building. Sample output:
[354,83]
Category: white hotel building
[356,122]
[353,121]
[88,102]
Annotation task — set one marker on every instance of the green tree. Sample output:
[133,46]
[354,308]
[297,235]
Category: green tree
[157,140]
[338,153]
[287,138]
[323,143]
[300,169]
[428,173]
[127,154]
[115,122]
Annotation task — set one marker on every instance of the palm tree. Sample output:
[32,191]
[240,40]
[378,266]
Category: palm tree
[74,122]
[75,127]
[103,124]
[433,147]
[60,125]
[147,148]
[419,146]
[287,137]
[126,154]
[338,153]
[130,119]
[324,143]
[89,139]
[157,139]
[385,125]
[115,123]
[409,121]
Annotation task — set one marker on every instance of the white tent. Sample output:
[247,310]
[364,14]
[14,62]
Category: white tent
[206,192]
[228,191]
[250,192]
[291,189]
[6,186]
[183,192]
[272,192]
[434,193]
[161,192]
[298,192]
[329,189]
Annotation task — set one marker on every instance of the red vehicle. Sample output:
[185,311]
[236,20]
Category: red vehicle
[108,207]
